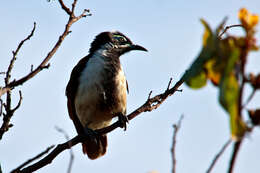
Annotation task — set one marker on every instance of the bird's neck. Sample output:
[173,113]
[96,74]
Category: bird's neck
[107,51]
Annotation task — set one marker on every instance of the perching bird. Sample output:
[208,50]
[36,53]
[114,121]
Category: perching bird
[96,91]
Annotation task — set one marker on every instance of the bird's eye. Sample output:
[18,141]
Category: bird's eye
[120,38]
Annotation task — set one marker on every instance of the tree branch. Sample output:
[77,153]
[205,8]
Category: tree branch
[228,27]
[32,159]
[43,64]
[218,155]
[71,152]
[149,105]
[234,155]
[176,128]
[66,9]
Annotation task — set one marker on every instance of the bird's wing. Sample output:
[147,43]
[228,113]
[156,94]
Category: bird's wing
[71,91]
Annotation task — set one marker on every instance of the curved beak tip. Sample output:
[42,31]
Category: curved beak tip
[138,47]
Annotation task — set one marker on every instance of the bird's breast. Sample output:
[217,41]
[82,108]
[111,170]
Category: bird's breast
[101,92]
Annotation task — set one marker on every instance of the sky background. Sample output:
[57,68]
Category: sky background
[171,31]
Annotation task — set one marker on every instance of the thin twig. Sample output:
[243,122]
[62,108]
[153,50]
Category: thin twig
[234,155]
[176,128]
[19,103]
[228,27]
[169,84]
[249,98]
[10,67]
[149,105]
[31,67]
[73,6]
[32,159]
[9,113]
[223,148]
[66,9]
[149,95]
[43,64]
[71,152]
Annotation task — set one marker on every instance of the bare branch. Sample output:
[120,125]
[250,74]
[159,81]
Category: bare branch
[65,8]
[234,155]
[32,159]
[169,84]
[218,155]
[10,67]
[31,67]
[9,113]
[73,6]
[71,152]
[176,128]
[43,64]
[149,95]
[228,27]
[19,103]
[249,98]
[149,105]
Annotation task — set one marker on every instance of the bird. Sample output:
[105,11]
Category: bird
[97,90]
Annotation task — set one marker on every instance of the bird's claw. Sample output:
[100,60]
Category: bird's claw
[90,133]
[123,120]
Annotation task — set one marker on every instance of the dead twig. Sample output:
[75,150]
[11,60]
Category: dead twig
[44,63]
[10,67]
[19,102]
[9,113]
[32,159]
[176,128]
[234,155]
[228,27]
[218,155]
[71,152]
[249,98]
[8,110]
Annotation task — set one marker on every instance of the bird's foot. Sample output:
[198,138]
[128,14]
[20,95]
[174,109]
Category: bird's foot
[123,120]
[91,134]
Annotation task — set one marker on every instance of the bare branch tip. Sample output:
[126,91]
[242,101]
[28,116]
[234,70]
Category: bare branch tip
[149,95]
[169,84]
[19,102]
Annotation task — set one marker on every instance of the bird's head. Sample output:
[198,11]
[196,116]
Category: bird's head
[115,42]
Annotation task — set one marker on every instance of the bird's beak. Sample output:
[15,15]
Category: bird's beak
[137,47]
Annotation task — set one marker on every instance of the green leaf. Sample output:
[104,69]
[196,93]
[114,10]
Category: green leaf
[195,76]
[197,81]
[229,93]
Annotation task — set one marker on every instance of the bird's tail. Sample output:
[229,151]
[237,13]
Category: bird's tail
[95,148]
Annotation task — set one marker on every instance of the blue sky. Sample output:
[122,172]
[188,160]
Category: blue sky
[172,33]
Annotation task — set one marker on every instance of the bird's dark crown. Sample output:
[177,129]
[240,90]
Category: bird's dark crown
[116,41]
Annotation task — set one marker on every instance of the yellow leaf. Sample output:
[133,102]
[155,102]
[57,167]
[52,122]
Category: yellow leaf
[248,20]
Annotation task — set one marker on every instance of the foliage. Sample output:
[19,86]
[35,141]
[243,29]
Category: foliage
[222,61]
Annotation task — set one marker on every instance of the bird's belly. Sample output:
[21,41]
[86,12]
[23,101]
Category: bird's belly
[95,104]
